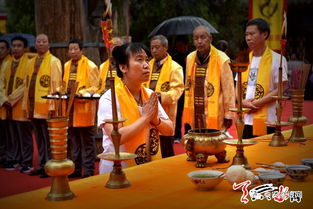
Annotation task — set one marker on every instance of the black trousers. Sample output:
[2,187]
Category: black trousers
[40,127]
[84,149]
[20,142]
[3,137]
[248,131]
[179,115]
[166,143]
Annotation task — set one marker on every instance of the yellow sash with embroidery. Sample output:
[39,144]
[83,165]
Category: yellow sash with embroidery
[20,74]
[104,70]
[43,81]
[84,112]
[129,110]
[82,73]
[263,80]
[163,84]
[212,88]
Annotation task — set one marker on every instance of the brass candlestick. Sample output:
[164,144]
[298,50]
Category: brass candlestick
[278,139]
[117,178]
[298,120]
[59,167]
[239,158]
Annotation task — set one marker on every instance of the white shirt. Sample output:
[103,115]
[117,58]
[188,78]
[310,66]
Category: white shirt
[271,112]
[105,112]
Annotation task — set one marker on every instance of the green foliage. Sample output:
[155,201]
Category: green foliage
[227,16]
[21,18]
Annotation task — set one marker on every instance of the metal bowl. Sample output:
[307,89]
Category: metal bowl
[298,172]
[274,178]
[206,179]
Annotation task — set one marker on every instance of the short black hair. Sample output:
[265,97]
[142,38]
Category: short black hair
[262,25]
[76,41]
[122,53]
[20,38]
[182,38]
[5,42]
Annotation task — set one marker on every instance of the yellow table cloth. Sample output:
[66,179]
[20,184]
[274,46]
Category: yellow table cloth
[163,184]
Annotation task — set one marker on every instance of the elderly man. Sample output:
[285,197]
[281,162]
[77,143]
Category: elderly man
[104,83]
[45,74]
[260,80]
[12,86]
[82,118]
[209,91]
[166,78]
[4,57]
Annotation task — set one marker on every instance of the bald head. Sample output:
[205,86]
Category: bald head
[42,44]
[203,29]
[202,39]
[116,41]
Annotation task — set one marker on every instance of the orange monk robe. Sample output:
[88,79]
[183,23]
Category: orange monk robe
[219,75]
[170,84]
[15,98]
[49,78]
[88,77]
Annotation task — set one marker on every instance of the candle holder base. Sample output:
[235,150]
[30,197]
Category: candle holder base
[60,189]
[117,178]
[240,158]
[297,134]
[278,139]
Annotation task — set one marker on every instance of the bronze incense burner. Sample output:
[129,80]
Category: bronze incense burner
[201,143]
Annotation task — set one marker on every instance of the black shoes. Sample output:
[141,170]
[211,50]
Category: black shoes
[26,169]
[44,175]
[36,172]
[39,172]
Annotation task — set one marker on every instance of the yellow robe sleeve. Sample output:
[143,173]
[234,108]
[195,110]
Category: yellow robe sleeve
[227,87]
[93,79]
[3,97]
[18,93]
[176,85]
[55,81]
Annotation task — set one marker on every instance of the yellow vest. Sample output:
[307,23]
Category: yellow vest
[212,85]
[263,79]
[48,77]
[21,72]
[88,77]
[129,110]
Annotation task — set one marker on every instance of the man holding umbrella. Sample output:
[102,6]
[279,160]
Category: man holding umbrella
[209,91]
[166,78]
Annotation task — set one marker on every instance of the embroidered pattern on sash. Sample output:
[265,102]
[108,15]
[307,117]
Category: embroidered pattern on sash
[45,81]
[165,87]
[154,147]
[210,90]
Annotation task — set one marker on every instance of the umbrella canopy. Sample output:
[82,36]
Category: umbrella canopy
[181,26]
[30,38]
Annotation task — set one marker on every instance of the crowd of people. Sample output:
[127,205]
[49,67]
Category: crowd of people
[159,96]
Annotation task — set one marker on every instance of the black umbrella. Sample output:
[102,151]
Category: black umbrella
[29,37]
[181,26]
